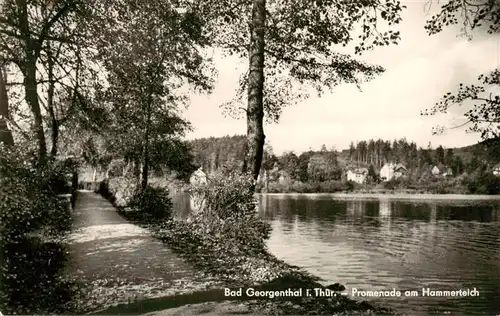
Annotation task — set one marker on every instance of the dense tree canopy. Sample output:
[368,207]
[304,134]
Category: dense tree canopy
[102,78]
[213,153]
[55,35]
[149,53]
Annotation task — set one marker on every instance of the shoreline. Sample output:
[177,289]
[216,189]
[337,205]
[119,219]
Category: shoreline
[394,195]
[258,270]
[372,192]
[285,277]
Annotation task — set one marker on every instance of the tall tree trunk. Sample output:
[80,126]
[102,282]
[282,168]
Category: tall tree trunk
[50,105]
[5,132]
[145,158]
[30,90]
[255,107]
[31,52]
[217,160]
[145,161]
[55,138]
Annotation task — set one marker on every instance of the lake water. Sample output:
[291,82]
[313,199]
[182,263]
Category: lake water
[399,242]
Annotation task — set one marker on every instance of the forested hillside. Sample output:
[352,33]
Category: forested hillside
[214,152]
[324,170]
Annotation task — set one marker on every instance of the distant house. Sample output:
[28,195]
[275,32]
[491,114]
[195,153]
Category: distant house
[357,175]
[399,171]
[284,178]
[496,170]
[448,172]
[198,177]
[392,171]
[442,170]
[386,172]
[435,171]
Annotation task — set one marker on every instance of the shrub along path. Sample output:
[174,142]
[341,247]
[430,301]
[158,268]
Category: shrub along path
[118,262]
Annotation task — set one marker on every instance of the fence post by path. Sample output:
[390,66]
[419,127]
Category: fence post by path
[74,188]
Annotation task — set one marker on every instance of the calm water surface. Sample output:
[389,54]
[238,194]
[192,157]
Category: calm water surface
[381,243]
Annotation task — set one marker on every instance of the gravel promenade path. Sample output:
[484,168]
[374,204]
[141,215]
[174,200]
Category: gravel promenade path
[120,262]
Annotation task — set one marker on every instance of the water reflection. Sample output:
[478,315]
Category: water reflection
[385,208]
[481,213]
[182,204]
[378,244]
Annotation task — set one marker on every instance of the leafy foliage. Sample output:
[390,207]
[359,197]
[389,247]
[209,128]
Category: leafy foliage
[228,227]
[472,15]
[78,46]
[173,156]
[289,46]
[306,174]
[299,39]
[214,152]
[56,37]
[483,183]
[151,203]
[484,114]
[29,284]
[115,168]
[227,195]
[372,175]
[230,213]
[120,189]
[150,53]
[30,213]
[323,166]
[28,198]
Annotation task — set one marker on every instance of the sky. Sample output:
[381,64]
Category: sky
[418,72]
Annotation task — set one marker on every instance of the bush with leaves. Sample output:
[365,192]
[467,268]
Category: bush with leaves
[151,203]
[229,214]
[397,183]
[59,175]
[28,197]
[116,168]
[349,186]
[29,285]
[31,213]
[120,189]
[483,183]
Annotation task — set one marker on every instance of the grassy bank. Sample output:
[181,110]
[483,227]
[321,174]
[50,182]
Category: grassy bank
[227,241]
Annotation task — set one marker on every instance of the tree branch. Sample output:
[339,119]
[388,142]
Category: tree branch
[460,125]
[46,27]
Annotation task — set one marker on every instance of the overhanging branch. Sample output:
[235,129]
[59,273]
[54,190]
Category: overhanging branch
[46,27]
